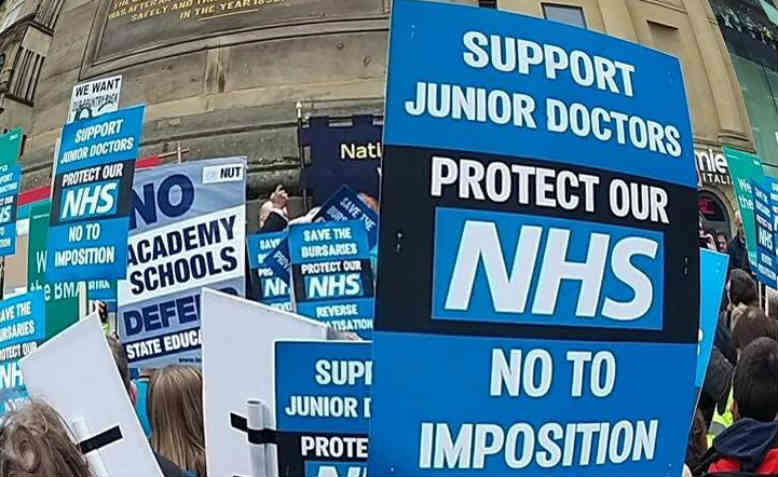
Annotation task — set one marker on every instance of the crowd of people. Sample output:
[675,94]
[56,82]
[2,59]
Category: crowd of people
[734,429]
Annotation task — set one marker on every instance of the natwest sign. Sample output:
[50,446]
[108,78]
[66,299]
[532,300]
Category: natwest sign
[711,166]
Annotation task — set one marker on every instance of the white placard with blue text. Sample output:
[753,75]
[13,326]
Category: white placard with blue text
[187,231]
[536,263]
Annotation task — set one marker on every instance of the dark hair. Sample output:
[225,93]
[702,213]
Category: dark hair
[756,380]
[752,324]
[120,357]
[742,288]
[34,440]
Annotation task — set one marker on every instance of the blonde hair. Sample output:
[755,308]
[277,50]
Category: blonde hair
[34,440]
[176,414]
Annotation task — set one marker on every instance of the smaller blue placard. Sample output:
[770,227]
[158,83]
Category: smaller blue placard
[272,289]
[345,204]
[10,180]
[764,222]
[332,275]
[22,328]
[92,196]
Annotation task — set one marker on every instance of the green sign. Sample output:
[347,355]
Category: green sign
[61,297]
[744,168]
[11,146]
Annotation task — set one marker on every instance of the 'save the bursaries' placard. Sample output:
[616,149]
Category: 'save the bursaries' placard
[332,277]
[536,260]
[267,286]
[322,396]
[187,231]
[22,328]
[92,196]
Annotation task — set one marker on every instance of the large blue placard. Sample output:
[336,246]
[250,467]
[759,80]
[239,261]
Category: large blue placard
[187,232]
[22,329]
[713,276]
[322,402]
[332,277]
[92,196]
[764,221]
[535,250]
[269,288]
[10,182]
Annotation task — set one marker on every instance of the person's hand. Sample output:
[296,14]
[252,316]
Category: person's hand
[279,197]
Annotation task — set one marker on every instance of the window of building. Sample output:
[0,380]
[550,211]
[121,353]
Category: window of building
[564,14]
[487,3]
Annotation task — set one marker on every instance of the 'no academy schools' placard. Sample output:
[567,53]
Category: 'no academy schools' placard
[187,232]
[535,264]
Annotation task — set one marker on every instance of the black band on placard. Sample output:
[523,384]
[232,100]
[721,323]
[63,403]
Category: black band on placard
[100,440]
[256,436]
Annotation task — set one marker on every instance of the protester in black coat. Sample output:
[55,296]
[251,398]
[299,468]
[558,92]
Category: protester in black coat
[736,248]
[741,291]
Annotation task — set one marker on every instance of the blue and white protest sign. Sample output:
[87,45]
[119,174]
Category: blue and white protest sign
[332,277]
[187,231]
[269,288]
[22,328]
[342,154]
[10,182]
[713,277]
[764,221]
[536,259]
[345,204]
[92,196]
[772,187]
[322,403]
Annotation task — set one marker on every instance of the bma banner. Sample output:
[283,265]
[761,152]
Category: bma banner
[187,231]
[94,98]
[92,196]
[744,169]
[10,182]
[764,223]
[536,262]
[61,297]
[332,277]
[342,154]
[267,286]
[22,329]
[322,403]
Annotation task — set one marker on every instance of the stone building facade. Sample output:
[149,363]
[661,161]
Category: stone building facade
[226,77]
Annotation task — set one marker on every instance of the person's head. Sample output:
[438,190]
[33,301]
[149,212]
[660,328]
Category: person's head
[741,288]
[721,241]
[755,387]
[176,415]
[750,325]
[739,225]
[34,440]
[120,358]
